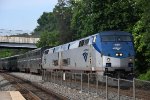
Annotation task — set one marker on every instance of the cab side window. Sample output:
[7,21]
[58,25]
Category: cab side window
[86,42]
[81,43]
[46,52]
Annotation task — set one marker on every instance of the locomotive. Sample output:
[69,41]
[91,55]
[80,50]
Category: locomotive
[108,53]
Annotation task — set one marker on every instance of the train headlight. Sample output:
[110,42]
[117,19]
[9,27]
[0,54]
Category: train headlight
[121,54]
[108,59]
[117,54]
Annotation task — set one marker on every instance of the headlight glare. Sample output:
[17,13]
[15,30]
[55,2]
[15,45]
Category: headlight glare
[121,54]
[117,54]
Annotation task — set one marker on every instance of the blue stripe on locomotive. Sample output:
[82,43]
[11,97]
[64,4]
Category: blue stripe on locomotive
[106,48]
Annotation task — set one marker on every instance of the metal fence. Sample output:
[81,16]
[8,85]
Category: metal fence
[142,89]
[103,86]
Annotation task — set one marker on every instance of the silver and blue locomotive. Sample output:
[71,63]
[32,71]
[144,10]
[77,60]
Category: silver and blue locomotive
[117,52]
[107,53]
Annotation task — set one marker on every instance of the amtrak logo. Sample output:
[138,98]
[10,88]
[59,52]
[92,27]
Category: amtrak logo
[85,54]
[117,46]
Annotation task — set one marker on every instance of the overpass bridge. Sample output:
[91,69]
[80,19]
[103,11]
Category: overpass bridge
[18,42]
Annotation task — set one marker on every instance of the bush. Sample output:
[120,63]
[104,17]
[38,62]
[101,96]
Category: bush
[145,76]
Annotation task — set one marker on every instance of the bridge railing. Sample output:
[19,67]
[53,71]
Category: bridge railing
[101,86]
[18,39]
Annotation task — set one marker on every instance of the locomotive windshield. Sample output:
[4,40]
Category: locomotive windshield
[108,38]
[121,38]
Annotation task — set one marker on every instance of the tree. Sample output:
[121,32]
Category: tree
[57,21]
[48,39]
[47,30]
[141,31]
[63,14]
[92,16]
[46,22]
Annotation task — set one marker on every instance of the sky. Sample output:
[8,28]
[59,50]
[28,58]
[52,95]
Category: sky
[23,14]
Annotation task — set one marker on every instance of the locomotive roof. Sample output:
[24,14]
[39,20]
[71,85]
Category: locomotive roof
[73,44]
[114,33]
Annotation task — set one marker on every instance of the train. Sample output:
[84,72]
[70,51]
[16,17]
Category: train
[108,53]
[27,62]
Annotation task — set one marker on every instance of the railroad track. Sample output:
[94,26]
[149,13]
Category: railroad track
[125,93]
[31,91]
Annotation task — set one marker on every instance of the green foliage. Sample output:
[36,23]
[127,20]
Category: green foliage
[145,76]
[141,31]
[48,39]
[54,27]
[5,53]
[63,15]
[92,16]
[11,52]
[47,22]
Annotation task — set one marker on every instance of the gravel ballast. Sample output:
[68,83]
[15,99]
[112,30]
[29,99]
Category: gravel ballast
[71,94]
[6,85]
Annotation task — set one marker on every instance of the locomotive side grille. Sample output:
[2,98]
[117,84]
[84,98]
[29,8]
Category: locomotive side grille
[108,64]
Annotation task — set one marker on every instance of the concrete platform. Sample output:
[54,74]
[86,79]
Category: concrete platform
[11,95]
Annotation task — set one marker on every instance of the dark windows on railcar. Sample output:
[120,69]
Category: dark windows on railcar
[55,62]
[66,62]
[46,52]
[83,42]
[86,42]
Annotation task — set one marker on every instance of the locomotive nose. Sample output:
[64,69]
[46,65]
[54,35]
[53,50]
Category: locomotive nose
[112,63]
